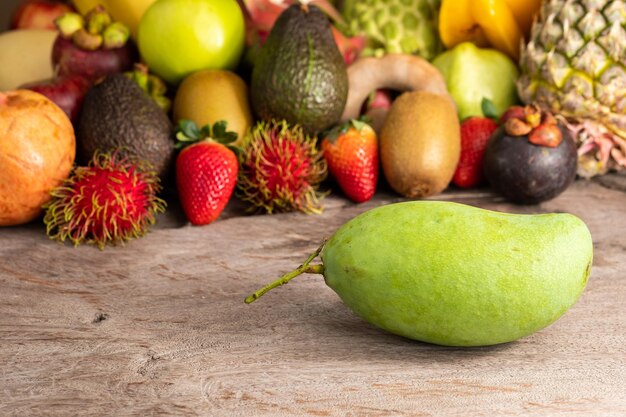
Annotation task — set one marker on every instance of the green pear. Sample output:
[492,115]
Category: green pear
[455,275]
[473,73]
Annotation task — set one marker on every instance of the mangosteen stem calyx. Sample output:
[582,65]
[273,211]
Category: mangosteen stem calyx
[96,30]
[305,268]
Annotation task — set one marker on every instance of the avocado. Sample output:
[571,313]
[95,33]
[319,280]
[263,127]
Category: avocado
[117,113]
[300,75]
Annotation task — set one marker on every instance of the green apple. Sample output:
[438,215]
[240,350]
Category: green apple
[179,37]
[473,73]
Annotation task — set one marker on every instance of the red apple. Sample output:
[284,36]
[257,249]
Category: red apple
[66,91]
[68,58]
[38,14]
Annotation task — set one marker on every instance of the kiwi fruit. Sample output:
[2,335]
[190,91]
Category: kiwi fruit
[420,144]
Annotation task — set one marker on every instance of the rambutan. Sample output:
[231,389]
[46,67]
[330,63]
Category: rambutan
[281,169]
[112,200]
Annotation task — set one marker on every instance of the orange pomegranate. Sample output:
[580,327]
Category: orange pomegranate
[37,150]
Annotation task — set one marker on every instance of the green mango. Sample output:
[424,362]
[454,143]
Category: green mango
[455,275]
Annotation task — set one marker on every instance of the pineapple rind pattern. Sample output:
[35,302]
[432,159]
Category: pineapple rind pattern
[575,65]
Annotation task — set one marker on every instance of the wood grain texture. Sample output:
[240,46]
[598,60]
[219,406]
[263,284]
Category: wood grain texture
[159,328]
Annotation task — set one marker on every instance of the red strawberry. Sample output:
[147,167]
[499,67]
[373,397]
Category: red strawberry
[206,171]
[351,152]
[475,133]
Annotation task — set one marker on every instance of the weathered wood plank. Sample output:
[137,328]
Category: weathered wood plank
[159,328]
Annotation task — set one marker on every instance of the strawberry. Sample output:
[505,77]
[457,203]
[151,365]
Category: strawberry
[475,133]
[351,152]
[206,170]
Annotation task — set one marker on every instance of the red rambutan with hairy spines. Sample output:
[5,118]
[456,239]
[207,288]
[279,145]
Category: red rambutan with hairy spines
[112,200]
[281,169]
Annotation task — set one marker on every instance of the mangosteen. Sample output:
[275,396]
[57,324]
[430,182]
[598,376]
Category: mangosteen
[531,158]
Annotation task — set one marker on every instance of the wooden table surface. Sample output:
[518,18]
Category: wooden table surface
[159,328]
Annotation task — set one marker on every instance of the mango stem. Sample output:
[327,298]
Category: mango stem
[305,268]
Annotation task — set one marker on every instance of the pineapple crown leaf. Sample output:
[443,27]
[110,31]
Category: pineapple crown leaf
[188,133]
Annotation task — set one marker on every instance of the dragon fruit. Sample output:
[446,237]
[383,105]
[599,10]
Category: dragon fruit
[260,16]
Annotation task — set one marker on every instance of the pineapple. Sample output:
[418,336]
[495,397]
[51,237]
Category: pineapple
[395,26]
[575,66]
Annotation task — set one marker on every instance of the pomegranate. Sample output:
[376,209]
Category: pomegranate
[38,14]
[37,150]
[66,91]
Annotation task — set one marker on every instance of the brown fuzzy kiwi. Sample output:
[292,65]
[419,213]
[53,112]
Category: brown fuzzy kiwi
[420,144]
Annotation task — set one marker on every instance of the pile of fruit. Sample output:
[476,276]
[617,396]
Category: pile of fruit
[103,104]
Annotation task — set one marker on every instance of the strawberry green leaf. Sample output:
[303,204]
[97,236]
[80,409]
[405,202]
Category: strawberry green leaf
[219,128]
[365,119]
[189,129]
[206,131]
[180,135]
[188,133]
[182,140]
[488,108]
[334,133]
[221,134]
[229,137]
[358,124]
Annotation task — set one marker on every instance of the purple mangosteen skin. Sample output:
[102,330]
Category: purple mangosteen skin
[526,173]
[68,58]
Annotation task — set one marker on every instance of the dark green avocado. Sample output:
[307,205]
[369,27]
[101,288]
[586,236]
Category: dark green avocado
[117,113]
[300,75]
